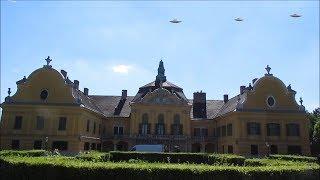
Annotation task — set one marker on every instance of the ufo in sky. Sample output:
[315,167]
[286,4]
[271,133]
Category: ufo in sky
[295,15]
[238,19]
[175,21]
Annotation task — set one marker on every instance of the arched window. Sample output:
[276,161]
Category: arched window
[160,125]
[160,119]
[176,127]
[145,118]
[144,127]
[176,119]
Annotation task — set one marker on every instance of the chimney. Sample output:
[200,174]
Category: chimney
[225,98]
[86,91]
[76,84]
[242,88]
[254,80]
[199,105]
[124,94]
[64,73]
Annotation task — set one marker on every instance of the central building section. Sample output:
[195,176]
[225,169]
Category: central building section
[160,114]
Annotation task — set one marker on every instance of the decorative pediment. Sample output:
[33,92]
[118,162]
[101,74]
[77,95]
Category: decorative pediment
[270,93]
[162,96]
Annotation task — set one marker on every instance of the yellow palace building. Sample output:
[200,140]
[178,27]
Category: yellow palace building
[49,111]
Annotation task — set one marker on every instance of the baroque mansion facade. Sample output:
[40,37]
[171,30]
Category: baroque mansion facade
[49,111]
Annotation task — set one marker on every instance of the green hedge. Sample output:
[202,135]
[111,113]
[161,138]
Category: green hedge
[52,168]
[253,162]
[196,158]
[94,156]
[24,153]
[293,158]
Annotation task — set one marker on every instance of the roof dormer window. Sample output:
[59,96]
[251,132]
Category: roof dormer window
[271,101]
[44,94]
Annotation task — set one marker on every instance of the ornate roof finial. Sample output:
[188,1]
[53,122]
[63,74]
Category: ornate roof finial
[268,69]
[9,91]
[161,77]
[48,60]
[301,101]
[289,87]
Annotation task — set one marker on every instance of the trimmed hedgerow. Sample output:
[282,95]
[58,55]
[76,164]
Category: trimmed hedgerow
[51,168]
[24,153]
[253,162]
[94,156]
[293,158]
[196,158]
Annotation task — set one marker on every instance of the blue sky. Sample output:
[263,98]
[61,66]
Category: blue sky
[110,46]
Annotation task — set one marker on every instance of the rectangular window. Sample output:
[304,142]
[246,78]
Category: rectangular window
[294,150]
[144,128]
[118,130]
[218,131]
[60,145]
[160,129]
[99,130]
[104,130]
[253,128]
[230,149]
[273,129]
[40,123]
[37,144]
[93,146]
[196,131]
[200,132]
[273,149]
[204,132]
[115,130]
[62,123]
[293,129]
[99,147]
[94,128]
[176,129]
[88,125]
[254,150]
[223,129]
[229,130]
[18,122]
[86,146]
[15,144]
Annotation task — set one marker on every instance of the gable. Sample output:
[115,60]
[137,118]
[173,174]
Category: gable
[162,96]
[271,87]
[43,79]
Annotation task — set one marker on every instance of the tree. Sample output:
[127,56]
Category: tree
[314,131]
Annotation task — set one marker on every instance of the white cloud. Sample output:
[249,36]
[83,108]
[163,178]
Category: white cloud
[123,69]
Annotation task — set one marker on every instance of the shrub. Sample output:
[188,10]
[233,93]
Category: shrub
[293,158]
[196,158]
[226,159]
[52,168]
[253,162]
[93,156]
[24,153]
